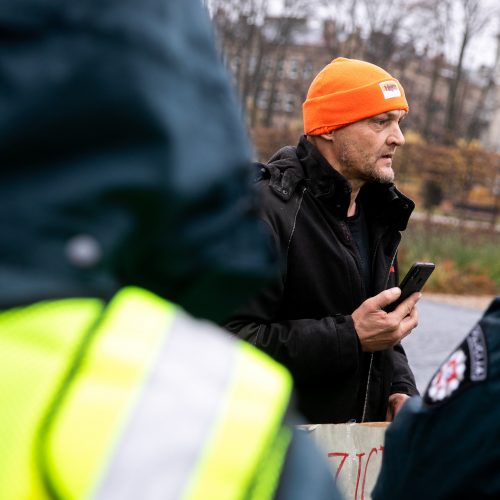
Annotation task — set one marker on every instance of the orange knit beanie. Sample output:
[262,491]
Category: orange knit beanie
[346,91]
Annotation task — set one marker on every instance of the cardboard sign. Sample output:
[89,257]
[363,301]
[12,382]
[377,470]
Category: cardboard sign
[354,452]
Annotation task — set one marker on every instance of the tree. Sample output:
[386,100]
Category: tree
[473,19]
[292,20]
[254,45]
[432,21]
[238,25]
[477,121]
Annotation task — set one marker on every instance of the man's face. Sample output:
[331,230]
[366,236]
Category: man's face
[363,151]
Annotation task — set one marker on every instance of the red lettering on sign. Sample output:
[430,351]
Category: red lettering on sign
[339,468]
[362,468]
[360,456]
[373,450]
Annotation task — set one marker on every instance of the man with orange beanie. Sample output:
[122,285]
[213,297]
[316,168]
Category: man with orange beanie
[336,218]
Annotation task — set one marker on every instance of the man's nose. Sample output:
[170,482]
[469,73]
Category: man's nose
[396,136]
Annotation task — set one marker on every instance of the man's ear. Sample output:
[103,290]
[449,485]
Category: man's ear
[328,137]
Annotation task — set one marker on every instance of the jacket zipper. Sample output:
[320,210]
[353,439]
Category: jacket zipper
[347,235]
[371,354]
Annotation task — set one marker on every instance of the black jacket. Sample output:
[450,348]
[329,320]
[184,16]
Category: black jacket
[446,445]
[304,320]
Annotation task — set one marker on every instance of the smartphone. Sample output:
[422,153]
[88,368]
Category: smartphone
[413,282]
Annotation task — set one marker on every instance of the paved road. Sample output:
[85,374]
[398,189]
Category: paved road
[441,328]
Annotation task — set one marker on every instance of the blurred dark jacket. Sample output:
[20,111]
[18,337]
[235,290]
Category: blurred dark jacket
[447,444]
[114,170]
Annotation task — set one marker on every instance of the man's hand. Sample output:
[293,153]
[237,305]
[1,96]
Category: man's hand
[396,401]
[378,330]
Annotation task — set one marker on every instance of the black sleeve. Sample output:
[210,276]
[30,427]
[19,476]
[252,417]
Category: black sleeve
[312,349]
[403,380]
[449,448]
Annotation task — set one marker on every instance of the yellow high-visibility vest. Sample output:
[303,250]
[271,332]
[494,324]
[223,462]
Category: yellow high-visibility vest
[135,399]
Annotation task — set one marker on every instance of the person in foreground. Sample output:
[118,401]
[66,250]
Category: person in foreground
[113,218]
[446,445]
[336,219]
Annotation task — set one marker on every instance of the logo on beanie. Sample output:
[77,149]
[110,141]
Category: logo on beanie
[390,89]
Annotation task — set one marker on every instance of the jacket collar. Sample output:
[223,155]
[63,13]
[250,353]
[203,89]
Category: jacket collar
[292,166]
[286,172]
[323,181]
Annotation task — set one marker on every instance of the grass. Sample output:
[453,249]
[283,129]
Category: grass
[467,261]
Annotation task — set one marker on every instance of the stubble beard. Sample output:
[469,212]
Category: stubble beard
[361,167]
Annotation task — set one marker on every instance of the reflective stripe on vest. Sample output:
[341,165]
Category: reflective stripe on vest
[163,406]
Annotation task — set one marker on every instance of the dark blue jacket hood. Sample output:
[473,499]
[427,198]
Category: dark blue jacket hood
[123,159]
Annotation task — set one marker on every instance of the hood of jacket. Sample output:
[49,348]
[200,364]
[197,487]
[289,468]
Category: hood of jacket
[123,158]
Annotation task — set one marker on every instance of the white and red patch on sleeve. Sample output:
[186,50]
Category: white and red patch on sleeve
[448,378]
[466,366]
